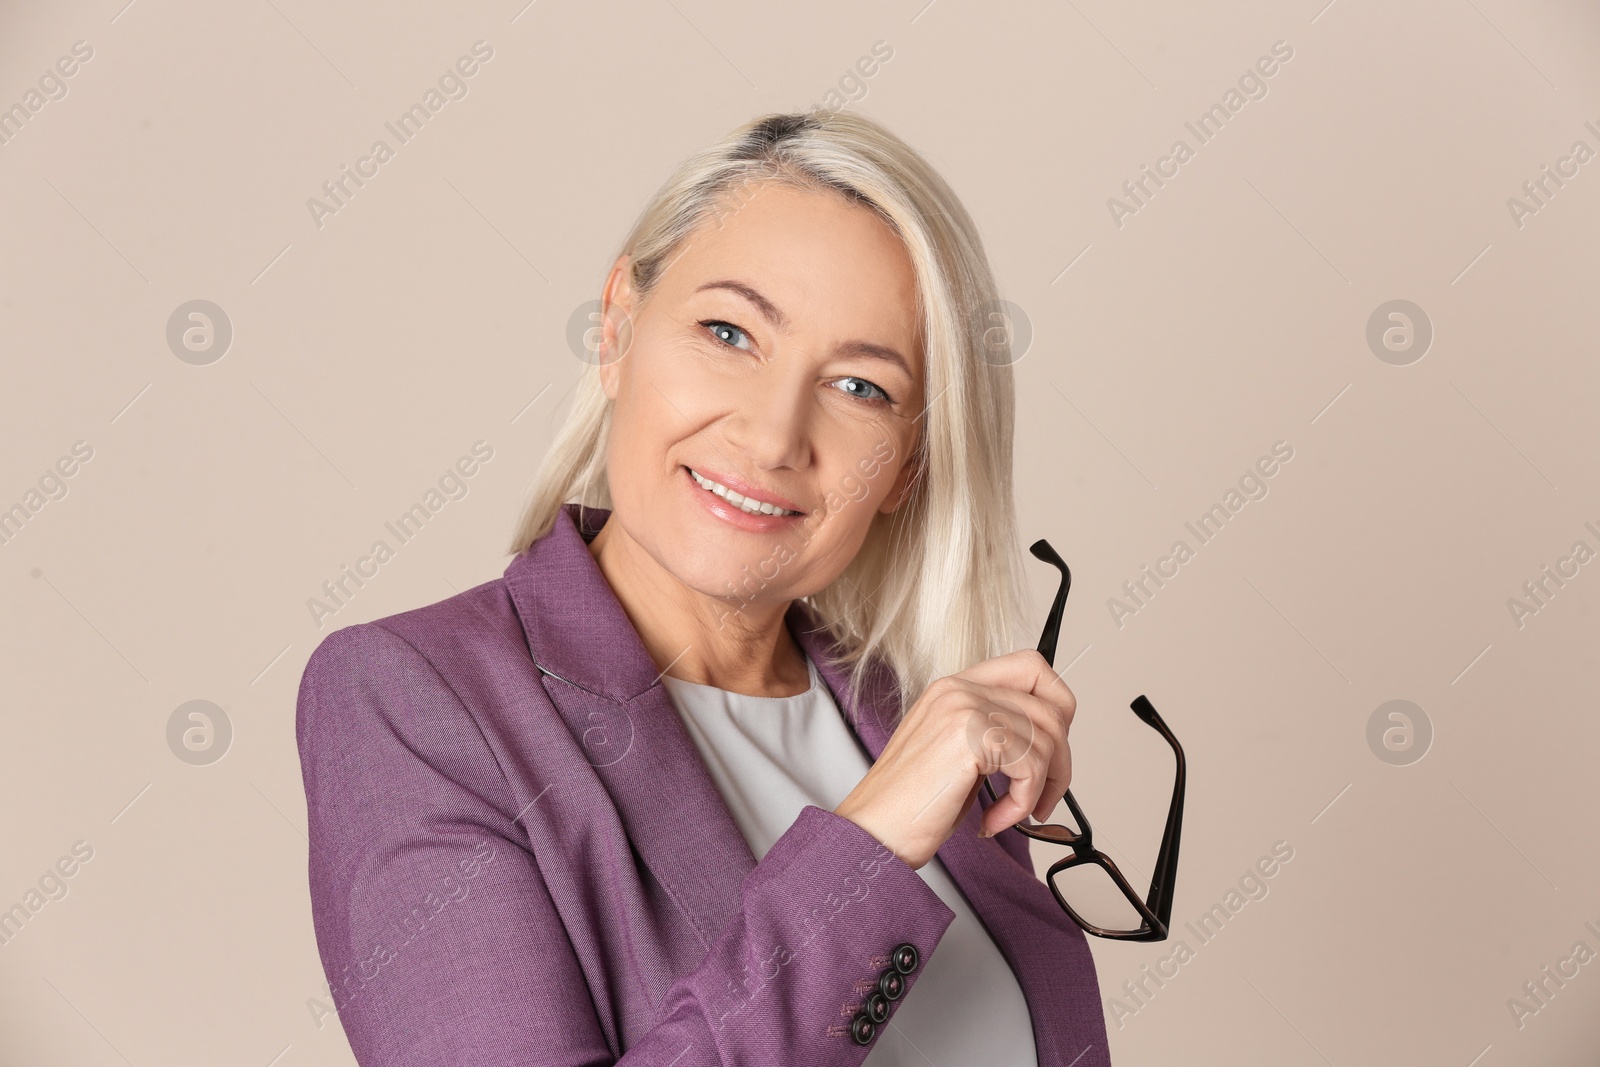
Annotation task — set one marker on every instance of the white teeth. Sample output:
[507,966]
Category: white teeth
[754,507]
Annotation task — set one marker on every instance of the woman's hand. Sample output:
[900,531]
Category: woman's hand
[1010,713]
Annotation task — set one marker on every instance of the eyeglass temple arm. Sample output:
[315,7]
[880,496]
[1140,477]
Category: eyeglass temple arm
[1052,630]
[1052,623]
[1163,881]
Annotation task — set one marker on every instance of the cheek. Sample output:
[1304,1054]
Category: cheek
[646,408]
[632,448]
[672,385]
[856,483]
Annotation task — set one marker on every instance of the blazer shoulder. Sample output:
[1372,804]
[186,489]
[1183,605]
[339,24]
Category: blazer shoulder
[474,625]
[431,680]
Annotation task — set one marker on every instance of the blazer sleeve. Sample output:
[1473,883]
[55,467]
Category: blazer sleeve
[442,943]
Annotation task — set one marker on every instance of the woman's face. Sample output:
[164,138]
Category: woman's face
[780,357]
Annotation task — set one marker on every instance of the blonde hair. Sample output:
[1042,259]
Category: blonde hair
[935,587]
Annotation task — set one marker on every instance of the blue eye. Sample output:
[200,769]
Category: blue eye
[720,328]
[882,395]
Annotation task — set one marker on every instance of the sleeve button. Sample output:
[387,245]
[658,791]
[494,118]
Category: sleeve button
[862,1028]
[892,984]
[905,958]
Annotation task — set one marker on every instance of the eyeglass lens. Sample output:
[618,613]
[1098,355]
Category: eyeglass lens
[1095,896]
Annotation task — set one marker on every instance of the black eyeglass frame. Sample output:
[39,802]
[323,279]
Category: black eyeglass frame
[1156,910]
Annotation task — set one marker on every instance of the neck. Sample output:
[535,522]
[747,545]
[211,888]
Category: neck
[741,646]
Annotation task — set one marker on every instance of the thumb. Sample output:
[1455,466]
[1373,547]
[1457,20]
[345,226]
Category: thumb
[1002,814]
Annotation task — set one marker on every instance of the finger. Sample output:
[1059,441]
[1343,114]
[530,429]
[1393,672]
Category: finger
[1024,671]
[1057,780]
[1026,794]
[1054,789]
[1007,725]
[1029,726]
[1002,814]
[1049,799]
[1039,783]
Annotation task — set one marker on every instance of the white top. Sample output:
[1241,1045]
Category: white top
[770,757]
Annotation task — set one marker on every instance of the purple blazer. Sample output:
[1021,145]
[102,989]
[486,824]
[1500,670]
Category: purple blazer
[518,857]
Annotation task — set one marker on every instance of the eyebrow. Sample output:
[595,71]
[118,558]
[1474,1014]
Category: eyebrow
[774,315]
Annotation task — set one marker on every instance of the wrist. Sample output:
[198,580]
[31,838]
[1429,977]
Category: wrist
[847,811]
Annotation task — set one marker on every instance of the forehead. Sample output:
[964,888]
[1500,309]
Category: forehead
[831,266]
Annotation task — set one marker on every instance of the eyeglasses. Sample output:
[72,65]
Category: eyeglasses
[1087,884]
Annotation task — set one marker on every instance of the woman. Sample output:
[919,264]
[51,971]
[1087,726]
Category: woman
[651,798]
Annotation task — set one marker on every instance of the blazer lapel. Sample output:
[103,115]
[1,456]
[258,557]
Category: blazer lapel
[601,679]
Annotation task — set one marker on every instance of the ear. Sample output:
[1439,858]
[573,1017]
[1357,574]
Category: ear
[616,323]
[904,480]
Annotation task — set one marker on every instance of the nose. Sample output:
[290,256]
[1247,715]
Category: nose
[771,421]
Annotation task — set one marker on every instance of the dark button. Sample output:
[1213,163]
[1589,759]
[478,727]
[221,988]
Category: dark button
[877,1008]
[892,984]
[862,1028]
[905,957]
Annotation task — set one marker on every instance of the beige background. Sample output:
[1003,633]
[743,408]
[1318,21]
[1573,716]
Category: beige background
[1168,354]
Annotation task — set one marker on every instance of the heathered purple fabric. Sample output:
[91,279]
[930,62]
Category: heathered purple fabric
[518,857]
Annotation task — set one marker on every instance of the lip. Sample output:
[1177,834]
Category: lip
[744,489]
[736,516]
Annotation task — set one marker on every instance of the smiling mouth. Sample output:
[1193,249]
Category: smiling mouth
[743,503]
